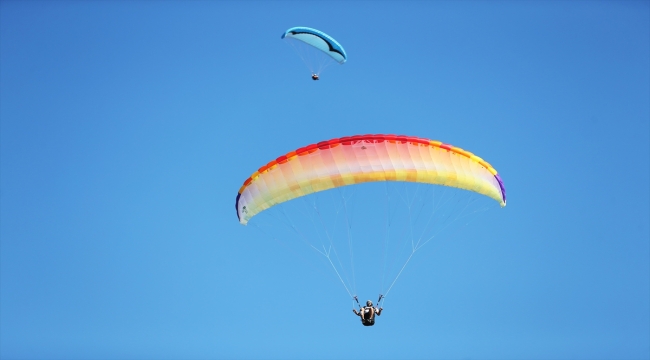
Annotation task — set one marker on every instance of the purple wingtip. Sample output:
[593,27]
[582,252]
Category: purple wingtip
[237,206]
[503,188]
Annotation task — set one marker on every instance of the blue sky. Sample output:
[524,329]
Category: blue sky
[126,129]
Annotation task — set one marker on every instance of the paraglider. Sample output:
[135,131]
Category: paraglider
[449,186]
[316,49]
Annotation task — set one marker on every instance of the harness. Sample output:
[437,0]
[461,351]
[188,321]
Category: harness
[365,321]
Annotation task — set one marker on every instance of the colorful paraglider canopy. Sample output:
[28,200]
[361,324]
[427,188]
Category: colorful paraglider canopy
[319,40]
[365,158]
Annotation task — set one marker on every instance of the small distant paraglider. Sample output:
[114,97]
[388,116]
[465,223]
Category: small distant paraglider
[316,49]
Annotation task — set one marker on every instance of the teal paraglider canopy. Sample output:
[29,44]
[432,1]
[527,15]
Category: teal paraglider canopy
[319,40]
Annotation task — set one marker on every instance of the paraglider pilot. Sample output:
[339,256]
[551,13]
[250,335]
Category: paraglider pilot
[367,313]
[314,76]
